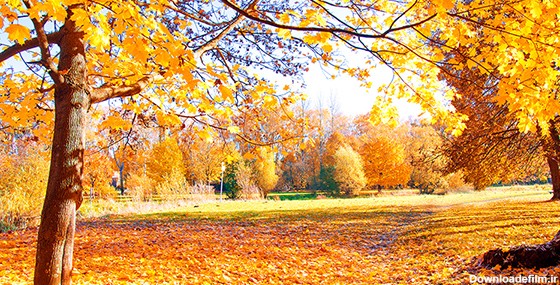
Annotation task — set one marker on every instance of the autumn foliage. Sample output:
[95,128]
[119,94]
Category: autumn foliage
[194,67]
[22,185]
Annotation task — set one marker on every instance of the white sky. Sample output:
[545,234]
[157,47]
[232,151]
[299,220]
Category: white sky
[351,98]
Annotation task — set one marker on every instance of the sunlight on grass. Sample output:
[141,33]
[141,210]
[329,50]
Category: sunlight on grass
[375,240]
[263,209]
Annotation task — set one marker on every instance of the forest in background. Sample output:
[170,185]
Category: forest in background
[300,148]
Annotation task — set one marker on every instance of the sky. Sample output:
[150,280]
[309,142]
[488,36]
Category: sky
[351,99]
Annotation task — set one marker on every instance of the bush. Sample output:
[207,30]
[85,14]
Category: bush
[201,192]
[23,183]
[139,187]
[172,186]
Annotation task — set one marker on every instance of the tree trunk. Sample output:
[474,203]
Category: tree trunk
[55,241]
[552,158]
[555,177]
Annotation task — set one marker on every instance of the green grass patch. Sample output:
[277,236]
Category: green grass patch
[274,209]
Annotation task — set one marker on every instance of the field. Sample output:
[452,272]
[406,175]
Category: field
[376,240]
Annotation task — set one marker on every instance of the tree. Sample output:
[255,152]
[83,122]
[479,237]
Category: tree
[164,159]
[98,171]
[426,158]
[491,148]
[513,46]
[265,171]
[22,183]
[384,153]
[349,171]
[232,188]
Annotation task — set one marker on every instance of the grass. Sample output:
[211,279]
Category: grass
[374,240]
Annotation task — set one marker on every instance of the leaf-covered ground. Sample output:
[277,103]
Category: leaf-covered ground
[387,240]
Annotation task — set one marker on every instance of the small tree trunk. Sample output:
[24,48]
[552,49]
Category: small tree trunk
[555,177]
[55,241]
[552,158]
[121,177]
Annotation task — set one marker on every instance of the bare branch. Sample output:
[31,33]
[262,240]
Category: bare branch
[214,42]
[332,30]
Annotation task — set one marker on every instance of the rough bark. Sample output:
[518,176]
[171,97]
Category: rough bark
[55,241]
[552,158]
[524,256]
[555,177]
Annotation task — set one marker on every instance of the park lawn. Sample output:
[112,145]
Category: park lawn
[377,240]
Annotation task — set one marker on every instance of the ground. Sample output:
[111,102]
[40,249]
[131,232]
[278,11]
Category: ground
[377,240]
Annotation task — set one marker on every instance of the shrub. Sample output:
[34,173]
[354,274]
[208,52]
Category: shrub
[139,187]
[201,192]
[23,183]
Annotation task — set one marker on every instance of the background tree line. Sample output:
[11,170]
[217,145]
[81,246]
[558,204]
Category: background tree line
[326,152]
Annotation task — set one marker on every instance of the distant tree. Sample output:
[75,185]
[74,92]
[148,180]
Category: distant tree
[23,178]
[165,160]
[98,172]
[426,158]
[265,171]
[327,181]
[349,171]
[203,158]
[385,162]
[232,189]
[383,150]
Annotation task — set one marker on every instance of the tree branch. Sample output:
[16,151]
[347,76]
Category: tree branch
[214,42]
[43,44]
[323,29]
[27,45]
[107,92]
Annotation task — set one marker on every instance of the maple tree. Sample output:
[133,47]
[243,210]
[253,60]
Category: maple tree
[513,45]
[383,151]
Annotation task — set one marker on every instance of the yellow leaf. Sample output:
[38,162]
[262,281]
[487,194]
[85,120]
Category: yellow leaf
[327,47]
[233,129]
[18,33]
[249,156]
[285,34]
[284,18]
[227,93]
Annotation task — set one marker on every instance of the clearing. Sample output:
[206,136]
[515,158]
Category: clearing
[378,240]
